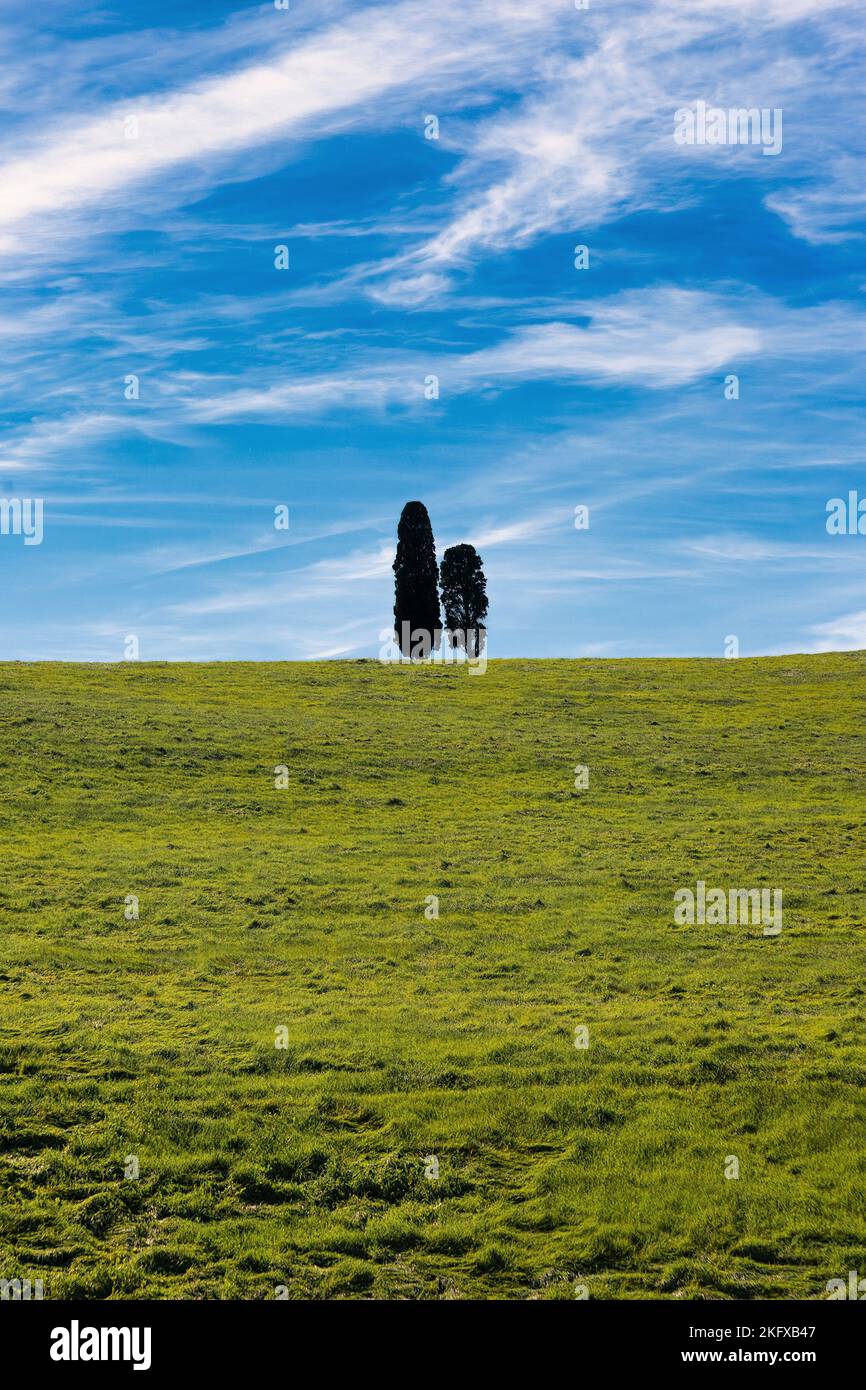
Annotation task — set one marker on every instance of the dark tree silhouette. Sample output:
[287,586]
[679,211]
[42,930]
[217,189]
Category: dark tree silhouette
[464,597]
[417,624]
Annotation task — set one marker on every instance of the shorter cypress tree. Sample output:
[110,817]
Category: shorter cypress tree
[464,597]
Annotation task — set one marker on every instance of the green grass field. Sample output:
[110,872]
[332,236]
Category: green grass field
[304,908]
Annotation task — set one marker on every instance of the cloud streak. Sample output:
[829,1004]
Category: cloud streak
[326,78]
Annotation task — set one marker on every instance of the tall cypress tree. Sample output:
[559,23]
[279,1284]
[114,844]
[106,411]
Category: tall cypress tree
[464,597]
[416,580]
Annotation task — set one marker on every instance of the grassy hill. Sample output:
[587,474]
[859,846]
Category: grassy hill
[304,908]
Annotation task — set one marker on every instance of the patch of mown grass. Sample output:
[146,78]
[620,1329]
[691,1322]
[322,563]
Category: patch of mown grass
[304,1166]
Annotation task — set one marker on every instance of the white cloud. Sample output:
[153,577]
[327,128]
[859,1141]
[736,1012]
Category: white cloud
[832,210]
[596,140]
[846,633]
[659,337]
[737,550]
[308,583]
[528,528]
[37,445]
[327,76]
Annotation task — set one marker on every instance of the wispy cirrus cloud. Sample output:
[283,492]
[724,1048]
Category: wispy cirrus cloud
[661,337]
[828,211]
[845,633]
[596,141]
[330,77]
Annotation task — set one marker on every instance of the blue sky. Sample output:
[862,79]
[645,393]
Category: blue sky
[155,156]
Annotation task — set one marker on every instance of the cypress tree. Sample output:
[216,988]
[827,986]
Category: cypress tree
[417,623]
[464,597]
